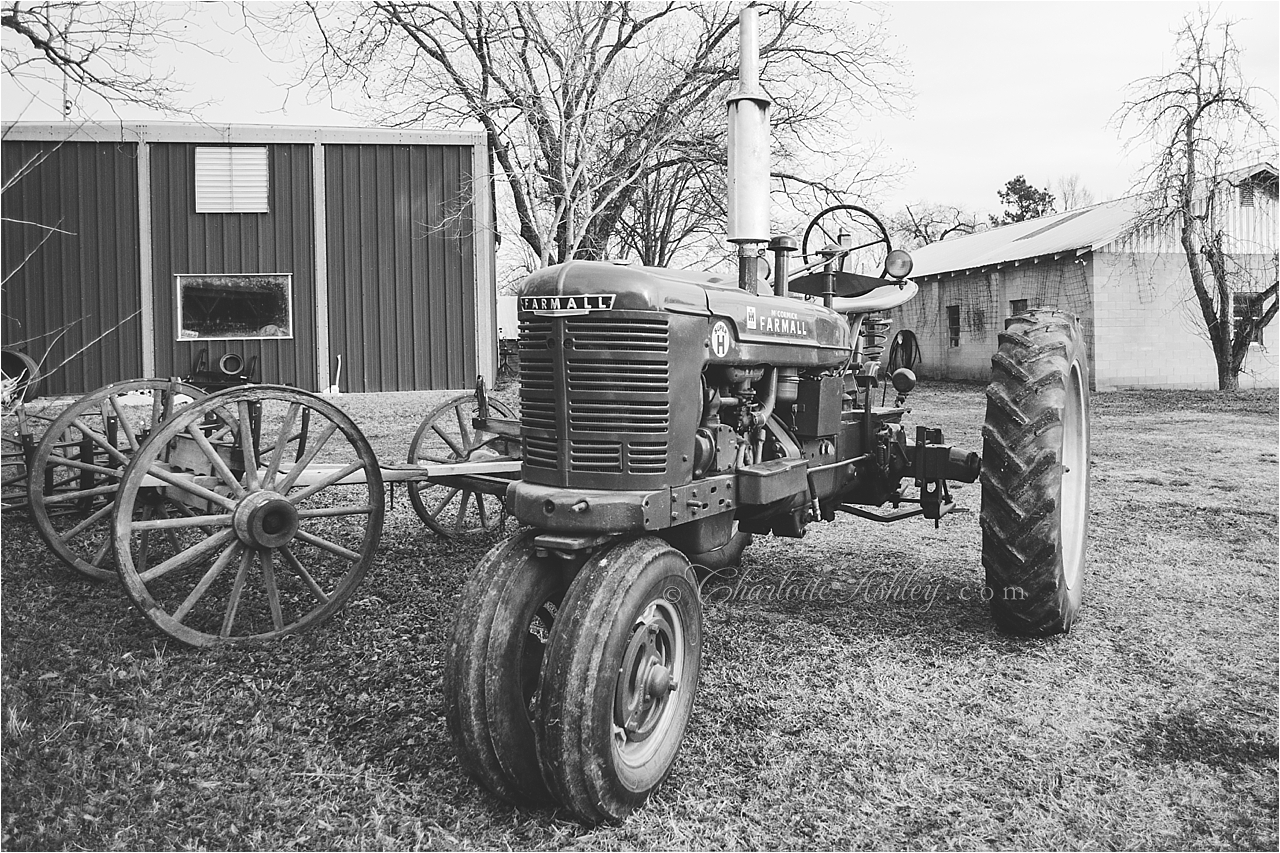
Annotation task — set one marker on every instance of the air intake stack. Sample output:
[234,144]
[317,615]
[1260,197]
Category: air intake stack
[749,156]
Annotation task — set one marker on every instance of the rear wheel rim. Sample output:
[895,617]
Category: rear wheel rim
[1075,472]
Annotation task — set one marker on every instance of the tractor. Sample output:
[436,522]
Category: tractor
[668,416]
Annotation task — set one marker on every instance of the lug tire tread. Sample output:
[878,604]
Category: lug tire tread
[1022,473]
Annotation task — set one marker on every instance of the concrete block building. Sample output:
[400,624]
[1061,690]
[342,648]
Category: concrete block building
[1130,288]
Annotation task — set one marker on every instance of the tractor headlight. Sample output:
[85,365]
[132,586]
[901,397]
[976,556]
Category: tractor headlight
[897,264]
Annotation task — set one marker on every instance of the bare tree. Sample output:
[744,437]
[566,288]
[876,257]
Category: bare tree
[1072,192]
[605,118]
[60,52]
[1201,119]
[923,223]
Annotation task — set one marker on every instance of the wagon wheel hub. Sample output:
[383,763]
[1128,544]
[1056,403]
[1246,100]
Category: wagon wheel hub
[265,520]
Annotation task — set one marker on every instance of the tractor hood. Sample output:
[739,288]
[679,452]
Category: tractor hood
[577,287]
[581,287]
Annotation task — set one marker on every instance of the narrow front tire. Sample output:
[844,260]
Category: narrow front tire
[620,677]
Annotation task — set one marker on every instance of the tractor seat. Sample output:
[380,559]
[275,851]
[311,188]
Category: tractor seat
[891,295]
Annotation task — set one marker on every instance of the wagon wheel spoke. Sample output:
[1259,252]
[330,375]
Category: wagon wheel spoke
[335,511]
[296,471]
[267,559]
[144,547]
[215,461]
[247,452]
[237,589]
[302,572]
[100,440]
[93,519]
[126,423]
[101,553]
[443,502]
[459,452]
[81,465]
[69,497]
[326,481]
[463,430]
[325,544]
[459,523]
[189,557]
[173,522]
[190,486]
[283,437]
[197,593]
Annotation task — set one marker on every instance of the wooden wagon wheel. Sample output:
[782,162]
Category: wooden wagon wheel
[79,462]
[19,447]
[448,506]
[283,519]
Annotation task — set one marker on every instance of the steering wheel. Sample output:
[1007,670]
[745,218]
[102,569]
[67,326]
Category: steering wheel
[860,228]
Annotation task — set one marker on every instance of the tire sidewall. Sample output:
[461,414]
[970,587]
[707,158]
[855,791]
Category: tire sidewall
[581,674]
[631,785]
[523,594]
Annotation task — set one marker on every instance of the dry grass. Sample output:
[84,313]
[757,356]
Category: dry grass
[867,720]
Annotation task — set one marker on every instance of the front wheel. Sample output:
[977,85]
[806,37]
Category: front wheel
[1035,474]
[619,680]
[503,624]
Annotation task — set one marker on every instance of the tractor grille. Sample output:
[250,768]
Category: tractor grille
[616,382]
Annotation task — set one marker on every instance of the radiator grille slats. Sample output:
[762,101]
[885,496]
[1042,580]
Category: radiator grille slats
[539,452]
[602,457]
[617,383]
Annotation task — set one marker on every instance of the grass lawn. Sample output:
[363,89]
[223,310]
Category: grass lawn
[853,695]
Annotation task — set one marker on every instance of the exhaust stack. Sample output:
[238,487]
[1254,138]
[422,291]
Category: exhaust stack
[748,156]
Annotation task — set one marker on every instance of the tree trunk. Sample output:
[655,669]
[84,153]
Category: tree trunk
[1228,379]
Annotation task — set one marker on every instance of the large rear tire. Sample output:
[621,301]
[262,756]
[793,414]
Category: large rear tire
[1035,474]
[620,677]
[503,624]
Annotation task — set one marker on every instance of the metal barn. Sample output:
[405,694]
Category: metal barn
[321,257]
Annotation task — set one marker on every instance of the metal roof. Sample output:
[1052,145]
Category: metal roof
[227,134]
[1075,230]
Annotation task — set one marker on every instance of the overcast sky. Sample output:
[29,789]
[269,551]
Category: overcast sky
[1001,88]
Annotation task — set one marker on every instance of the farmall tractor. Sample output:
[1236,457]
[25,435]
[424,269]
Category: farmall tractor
[665,417]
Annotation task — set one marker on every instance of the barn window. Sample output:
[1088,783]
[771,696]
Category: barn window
[219,307]
[231,180]
[1017,306]
[1246,194]
[953,325]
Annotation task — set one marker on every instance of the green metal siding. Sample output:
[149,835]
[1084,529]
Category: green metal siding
[78,290]
[281,241]
[401,266]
